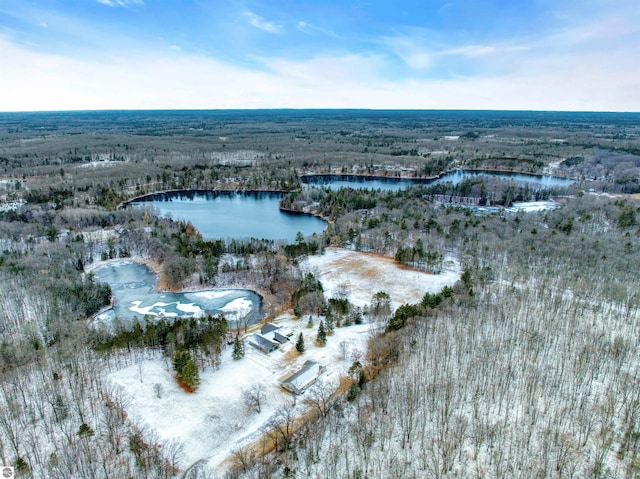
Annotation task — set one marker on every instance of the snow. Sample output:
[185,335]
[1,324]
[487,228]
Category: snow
[365,274]
[240,306]
[99,163]
[12,205]
[308,376]
[190,308]
[209,294]
[305,376]
[213,422]
[552,166]
[147,310]
[532,206]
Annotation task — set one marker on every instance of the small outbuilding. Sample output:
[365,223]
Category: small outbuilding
[301,380]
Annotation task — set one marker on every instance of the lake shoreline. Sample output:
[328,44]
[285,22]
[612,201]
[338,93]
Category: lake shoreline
[367,176]
[126,203]
[429,179]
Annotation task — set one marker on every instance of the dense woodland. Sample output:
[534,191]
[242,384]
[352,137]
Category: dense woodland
[528,367]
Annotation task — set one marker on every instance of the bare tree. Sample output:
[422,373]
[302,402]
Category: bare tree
[321,397]
[342,291]
[343,347]
[244,458]
[158,390]
[280,427]
[254,397]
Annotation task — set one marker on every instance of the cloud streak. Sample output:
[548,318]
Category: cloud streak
[261,24]
[120,3]
[412,52]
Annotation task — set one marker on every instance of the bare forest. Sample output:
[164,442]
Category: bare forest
[526,367]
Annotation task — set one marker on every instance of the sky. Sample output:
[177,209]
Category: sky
[561,55]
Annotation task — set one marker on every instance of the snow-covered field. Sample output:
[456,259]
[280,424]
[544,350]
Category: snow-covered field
[213,422]
[365,274]
[532,206]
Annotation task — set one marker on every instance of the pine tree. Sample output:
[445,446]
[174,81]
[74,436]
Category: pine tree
[186,369]
[180,358]
[330,326]
[321,338]
[190,375]
[300,344]
[238,348]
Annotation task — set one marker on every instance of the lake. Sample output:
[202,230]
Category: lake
[222,215]
[244,215]
[135,295]
[335,182]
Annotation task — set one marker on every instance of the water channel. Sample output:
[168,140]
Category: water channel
[336,182]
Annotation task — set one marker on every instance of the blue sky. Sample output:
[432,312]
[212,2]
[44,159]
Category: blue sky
[460,54]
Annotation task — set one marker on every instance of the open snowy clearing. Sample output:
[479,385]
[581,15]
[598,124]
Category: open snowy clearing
[213,422]
[367,273]
[532,206]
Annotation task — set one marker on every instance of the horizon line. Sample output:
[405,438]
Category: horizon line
[291,109]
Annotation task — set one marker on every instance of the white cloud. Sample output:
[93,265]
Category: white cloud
[326,71]
[422,50]
[156,80]
[413,53]
[120,3]
[261,24]
[311,29]
[471,51]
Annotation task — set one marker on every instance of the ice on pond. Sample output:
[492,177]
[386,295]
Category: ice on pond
[190,308]
[135,298]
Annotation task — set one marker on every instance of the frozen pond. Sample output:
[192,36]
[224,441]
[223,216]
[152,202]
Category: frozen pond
[221,215]
[393,184]
[135,295]
[517,207]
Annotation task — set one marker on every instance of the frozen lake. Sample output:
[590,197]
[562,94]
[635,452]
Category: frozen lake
[135,295]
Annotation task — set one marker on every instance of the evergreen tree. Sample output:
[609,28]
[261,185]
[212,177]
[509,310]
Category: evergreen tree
[357,316]
[180,359]
[321,338]
[300,344]
[238,348]
[330,326]
[186,369]
[190,375]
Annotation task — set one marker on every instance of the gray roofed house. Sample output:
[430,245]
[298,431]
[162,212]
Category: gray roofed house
[301,380]
[285,331]
[276,333]
[268,327]
[263,343]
